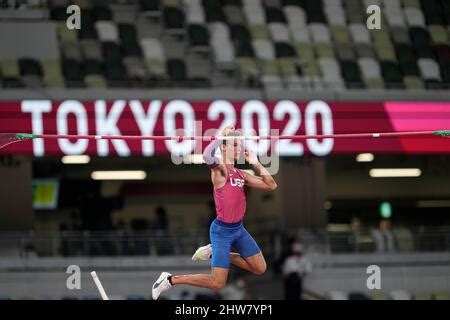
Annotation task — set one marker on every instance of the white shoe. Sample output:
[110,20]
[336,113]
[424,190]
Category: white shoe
[203,253]
[160,285]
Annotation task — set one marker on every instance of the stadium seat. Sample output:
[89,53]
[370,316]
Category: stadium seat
[10,69]
[91,49]
[152,48]
[414,17]
[240,35]
[65,34]
[28,66]
[429,69]
[365,50]
[101,13]
[248,70]
[278,32]
[194,12]
[111,52]
[438,34]
[331,72]
[359,33]
[419,37]
[214,12]
[58,13]
[198,35]
[132,49]
[264,49]
[411,3]
[300,35]
[351,74]
[272,3]
[272,82]
[345,52]
[314,11]
[400,35]
[400,295]
[149,5]
[107,31]
[176,69]
[354,12]
[72,71]
[335,14]
[340,34]
[287,67]
[324,50]
[115,74]
[95,81]
[135,68]
[127,33]
[319,33]
[52,73]
[274,15]
[173,18]
[283,50]
[295,17]
[71,50]
[234,15]
[269,67]
[92,67]
[392,75]
[254,12]
[259,32]
[413,83]
[370,68]
[171,3]
[395,17]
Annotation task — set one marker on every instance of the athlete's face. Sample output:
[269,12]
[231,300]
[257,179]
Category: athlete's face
[233,148]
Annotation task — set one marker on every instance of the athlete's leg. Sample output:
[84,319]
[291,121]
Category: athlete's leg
[237,260]
[216,280]
[257,263]
[251,257]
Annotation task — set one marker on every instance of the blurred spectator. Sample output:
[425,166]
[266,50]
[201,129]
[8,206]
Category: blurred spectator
[161,223]
[123,238]
[161,226]
[294,269]
[236,290]
[140,228]
[278,264]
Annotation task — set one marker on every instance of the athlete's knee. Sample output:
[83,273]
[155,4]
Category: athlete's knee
[217,284]
[260,268]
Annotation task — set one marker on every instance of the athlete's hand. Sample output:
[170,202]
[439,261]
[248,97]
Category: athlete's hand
[250,157]
[227,130]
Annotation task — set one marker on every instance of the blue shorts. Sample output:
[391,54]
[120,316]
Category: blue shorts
[227,236]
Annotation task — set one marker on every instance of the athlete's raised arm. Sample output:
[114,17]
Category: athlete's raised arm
[218,169]
[265,180]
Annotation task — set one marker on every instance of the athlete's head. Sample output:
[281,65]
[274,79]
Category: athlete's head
[232,148]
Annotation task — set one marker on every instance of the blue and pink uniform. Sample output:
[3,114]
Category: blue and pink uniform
[227,231]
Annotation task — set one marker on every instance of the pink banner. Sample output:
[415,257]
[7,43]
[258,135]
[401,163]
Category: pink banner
[134,117]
